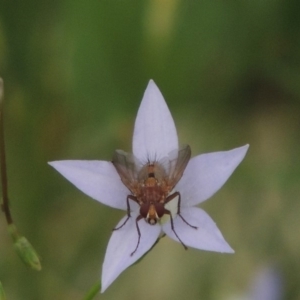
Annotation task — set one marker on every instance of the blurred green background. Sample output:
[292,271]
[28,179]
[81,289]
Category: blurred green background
[75,72]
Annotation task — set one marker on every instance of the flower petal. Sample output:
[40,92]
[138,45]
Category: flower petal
[122,243]
[154,135]
[206,237]
[206,173]
[97,179]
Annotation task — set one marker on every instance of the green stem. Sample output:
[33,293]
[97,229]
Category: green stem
[24,249]
[2,294]
[4,206]
[95,289]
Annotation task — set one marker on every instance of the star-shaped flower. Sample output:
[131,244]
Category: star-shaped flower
[141,184]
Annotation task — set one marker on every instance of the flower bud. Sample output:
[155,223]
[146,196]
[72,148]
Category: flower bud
[24,249]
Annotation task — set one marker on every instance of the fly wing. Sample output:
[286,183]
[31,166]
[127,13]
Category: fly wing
[127,166]
[177,165]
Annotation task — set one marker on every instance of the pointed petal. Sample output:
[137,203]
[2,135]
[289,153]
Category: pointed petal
[97,179]
[154,135]
[122,243]
[205,174]
[206,237]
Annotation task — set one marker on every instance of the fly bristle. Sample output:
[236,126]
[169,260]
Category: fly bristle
[151,160]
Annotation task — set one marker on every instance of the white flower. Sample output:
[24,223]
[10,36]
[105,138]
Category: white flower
[154,140]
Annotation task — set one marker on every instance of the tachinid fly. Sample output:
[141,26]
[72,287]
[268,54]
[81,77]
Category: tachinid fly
[151,185]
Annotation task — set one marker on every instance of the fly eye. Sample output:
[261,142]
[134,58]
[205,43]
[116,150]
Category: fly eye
[160,210]
[144,210]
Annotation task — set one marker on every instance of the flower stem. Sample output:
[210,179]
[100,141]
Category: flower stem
[2,294]
[4,206]
[22,246]
[95,289]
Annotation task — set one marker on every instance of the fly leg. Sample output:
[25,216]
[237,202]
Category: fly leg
[171,197]
[167,212]
[128,210]
[139,233]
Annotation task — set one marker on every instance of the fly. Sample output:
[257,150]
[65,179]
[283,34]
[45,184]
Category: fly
[151,186]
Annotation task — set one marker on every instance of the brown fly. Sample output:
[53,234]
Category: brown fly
[151,185]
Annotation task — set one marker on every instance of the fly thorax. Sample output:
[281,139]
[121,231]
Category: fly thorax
[151,182]
[151,194]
